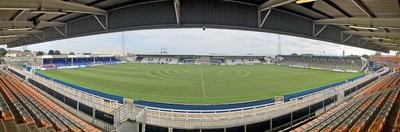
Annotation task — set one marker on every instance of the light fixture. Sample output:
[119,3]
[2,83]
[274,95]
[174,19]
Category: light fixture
[49,12]
[363,27]
[304,1]
[8,36]
[381,38]
[19,29]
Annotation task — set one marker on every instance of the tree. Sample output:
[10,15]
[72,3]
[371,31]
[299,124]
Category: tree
[365,56]
[57,52]
[3,52]
[39,53]
[86,53]
[51,52]
[27,51]
[71,53]
[294,54]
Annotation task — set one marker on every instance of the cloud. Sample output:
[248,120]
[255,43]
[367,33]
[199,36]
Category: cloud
[197,41]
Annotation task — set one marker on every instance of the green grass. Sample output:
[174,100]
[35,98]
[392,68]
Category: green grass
[184,83]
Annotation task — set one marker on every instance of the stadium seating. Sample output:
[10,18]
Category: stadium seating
[324,62]
[150,60]
[367,111]
[234,61]
[397,123]
[251,61]
[138,59]
[168,61]
[25,109]
[78,62]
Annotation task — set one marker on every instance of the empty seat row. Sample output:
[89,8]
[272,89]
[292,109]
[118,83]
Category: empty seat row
[26,117]
[380,120]
[357,114]
[329,124]
[45,109]
[361,124]
[36,113]
[351,114]
[321,122]
[397,123]
[6,113]
[33,105]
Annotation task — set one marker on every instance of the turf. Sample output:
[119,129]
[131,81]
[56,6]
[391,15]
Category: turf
[195,84]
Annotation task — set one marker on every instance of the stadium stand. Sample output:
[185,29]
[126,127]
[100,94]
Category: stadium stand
[31,111]
[54,63]
[251,61]
[168,61]
[200,59]
[234,62]
[366,111]
[349,63]
[150,60]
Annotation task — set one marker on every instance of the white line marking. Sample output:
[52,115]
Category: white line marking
[202,81]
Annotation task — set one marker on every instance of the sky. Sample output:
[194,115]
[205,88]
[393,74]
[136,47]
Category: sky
[197,41]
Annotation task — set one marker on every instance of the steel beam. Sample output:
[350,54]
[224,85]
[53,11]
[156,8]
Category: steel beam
[98,20]
[374,34]
[274,3]
[23,24]
[320,31]
[177,11]
[63,34]
[391,23]
[50,5]
[347,38]
[265,18]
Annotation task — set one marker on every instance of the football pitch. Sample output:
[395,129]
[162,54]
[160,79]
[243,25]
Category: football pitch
[197,84]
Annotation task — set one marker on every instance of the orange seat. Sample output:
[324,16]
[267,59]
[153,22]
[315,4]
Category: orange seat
[28,120]
[341,128]
[7,116]
[60,127]
[45,123]
[74,129]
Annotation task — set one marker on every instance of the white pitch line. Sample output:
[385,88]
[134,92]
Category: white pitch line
[202,81]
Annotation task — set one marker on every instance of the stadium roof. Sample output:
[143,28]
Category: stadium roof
[367,24]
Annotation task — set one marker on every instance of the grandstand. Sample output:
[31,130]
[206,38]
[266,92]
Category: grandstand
[332,63]
[24,109]
[72,61]
[201,59]
[369,110]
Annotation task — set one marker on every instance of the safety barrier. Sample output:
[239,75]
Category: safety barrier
[204,107]
[106,96]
